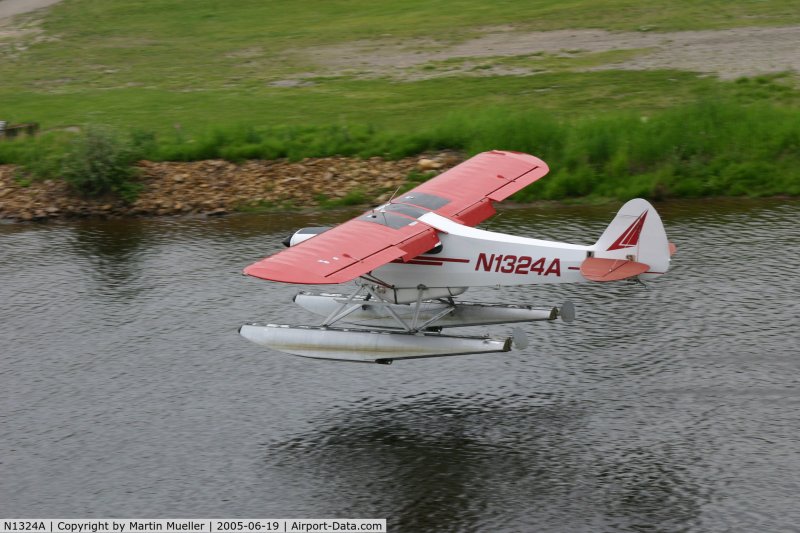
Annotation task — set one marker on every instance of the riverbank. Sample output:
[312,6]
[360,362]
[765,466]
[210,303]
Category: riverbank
[679,101]
[400,68]
[217,187]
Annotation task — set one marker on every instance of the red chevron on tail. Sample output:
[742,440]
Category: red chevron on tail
[630,237]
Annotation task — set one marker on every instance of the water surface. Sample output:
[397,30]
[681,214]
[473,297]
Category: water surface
[126,391]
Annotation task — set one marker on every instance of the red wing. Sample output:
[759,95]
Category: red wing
[468,190]
[348,251]
[465,193]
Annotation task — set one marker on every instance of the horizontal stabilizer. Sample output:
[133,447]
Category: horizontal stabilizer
[635,235]
[602,269]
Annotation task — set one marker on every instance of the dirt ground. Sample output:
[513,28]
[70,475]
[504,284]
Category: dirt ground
[16,35]
[9,8]
[727,53]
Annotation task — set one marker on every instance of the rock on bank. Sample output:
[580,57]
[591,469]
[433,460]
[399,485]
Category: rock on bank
[217,187]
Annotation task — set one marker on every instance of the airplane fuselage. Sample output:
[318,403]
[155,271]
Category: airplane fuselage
[471,257]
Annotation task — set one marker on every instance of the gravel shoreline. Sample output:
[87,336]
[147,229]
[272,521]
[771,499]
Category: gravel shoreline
[218,187]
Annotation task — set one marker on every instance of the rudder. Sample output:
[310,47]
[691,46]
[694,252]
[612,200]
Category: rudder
[636,234]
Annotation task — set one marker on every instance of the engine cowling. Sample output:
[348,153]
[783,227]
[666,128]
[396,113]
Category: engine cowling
[303,234]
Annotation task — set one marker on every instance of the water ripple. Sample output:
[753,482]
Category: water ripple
[126,390]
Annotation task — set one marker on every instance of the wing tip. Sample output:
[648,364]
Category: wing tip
[524,156]
[297,276]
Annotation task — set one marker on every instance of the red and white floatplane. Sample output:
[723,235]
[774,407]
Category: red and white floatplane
[412,257]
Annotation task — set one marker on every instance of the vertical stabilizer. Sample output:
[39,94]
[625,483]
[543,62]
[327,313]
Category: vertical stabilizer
[636,234]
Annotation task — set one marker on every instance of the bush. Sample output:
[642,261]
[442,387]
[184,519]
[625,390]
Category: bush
[711,147]
[99,162]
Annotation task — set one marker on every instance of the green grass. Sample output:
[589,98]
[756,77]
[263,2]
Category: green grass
[206,65]
[387,106]
[192,80]
[712,147]
[709,148]
[270,24]
[158,63]
[352,197]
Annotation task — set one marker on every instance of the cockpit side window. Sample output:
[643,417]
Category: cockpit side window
[408,210]
[387,219]
[428,201]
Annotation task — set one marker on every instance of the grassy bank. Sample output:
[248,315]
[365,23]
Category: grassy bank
[190,81]
[708,148]
[202,65]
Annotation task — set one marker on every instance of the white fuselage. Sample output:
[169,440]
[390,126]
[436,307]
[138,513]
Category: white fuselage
[472,257]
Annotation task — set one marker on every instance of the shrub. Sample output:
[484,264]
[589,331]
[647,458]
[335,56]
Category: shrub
[99,162]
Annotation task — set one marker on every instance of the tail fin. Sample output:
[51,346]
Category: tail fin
[634,244]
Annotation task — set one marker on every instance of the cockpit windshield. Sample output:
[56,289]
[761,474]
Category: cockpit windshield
[405,210]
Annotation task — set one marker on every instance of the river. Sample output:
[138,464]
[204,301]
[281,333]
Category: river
[126,391]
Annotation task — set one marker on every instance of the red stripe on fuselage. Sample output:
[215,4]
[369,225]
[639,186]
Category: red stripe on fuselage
[444,259]
[415,262]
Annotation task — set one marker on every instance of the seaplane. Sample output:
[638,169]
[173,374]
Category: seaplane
[412,257]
